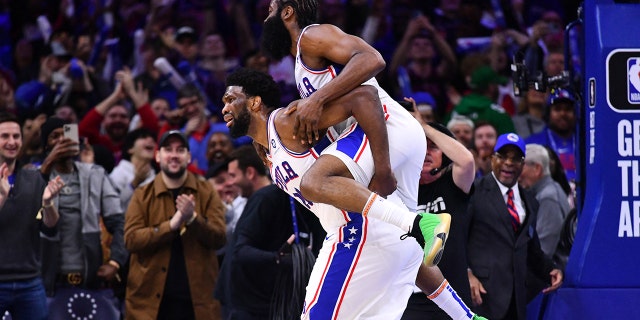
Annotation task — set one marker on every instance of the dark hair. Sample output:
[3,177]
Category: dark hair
[190,90]
[445,160]
[48,126]
[557,172]
[130,140]
[306,10]
[9,117]
[256,84]
[250,54]
[479,124]
[482,123]
[248,157]
[216,168]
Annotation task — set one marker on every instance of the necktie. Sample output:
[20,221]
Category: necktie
[511,207]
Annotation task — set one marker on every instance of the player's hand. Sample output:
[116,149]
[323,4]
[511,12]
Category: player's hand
[476,289]
[307,118]
[383,182]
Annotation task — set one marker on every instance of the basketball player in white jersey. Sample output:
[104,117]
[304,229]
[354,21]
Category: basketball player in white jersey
[329,64]
[363,270]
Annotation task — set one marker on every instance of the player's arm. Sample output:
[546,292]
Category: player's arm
[356,103]
[324,44]
[361,62]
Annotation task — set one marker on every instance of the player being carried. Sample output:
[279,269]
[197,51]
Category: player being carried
[363,265]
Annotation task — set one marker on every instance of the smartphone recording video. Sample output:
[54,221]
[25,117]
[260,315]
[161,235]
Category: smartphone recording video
[71,132]
[407,105]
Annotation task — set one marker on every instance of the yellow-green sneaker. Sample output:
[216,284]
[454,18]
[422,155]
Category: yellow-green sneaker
[431,232]
[477,317]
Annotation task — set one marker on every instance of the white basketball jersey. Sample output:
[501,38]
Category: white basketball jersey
[406,152]
[309,81]
[287,169]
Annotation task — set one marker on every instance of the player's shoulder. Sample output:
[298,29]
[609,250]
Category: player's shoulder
[282,120]
[324,31]
[284,127]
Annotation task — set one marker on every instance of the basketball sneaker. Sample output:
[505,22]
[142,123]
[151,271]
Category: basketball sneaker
[431,231]
[477,317]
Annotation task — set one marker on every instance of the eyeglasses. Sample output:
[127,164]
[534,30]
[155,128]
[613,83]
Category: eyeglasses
[513,159]
[189,103]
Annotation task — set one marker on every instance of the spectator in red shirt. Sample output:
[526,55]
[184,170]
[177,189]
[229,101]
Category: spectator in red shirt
[112,115]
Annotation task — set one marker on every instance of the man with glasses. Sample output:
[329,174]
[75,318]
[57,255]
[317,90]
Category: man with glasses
[503,244]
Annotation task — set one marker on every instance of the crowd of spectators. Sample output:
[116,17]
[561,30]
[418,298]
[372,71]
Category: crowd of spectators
[128,71]
[67,58]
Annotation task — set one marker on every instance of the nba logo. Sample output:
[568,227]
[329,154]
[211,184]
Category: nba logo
[633,80]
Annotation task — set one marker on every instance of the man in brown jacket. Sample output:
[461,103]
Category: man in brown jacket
[173,228]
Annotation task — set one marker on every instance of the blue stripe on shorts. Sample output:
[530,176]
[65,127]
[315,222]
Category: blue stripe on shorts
[344,260]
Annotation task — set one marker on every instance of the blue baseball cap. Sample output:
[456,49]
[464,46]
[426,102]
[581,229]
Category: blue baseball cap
[558,94]
[423,97]
[510,139]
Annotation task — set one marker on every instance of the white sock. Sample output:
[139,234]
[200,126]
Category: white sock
[387,211]
[447,299]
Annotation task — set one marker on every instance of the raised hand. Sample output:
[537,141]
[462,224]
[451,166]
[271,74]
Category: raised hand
[64,148]
[136,91]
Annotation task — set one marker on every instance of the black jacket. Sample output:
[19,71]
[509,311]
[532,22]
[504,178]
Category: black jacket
[500,257]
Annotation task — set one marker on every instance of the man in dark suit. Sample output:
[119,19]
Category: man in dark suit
[503,243]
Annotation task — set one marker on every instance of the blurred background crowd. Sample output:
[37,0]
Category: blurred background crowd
[127,71]
[61,58]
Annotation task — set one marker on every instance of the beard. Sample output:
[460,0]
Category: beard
[240,125]
[276,40]
[173,175]
[117,131]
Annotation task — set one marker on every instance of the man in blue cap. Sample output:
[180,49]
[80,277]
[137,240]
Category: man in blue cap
[503,245]
[559,134]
